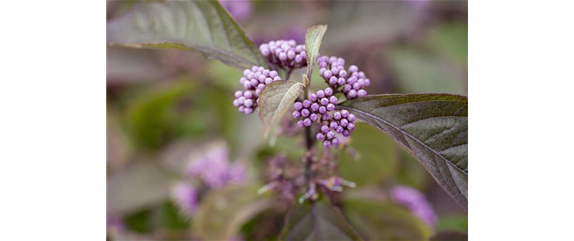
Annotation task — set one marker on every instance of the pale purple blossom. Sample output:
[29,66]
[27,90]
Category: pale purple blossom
[184,195]
[416,202]
[214,169]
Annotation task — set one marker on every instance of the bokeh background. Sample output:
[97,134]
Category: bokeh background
[165,108]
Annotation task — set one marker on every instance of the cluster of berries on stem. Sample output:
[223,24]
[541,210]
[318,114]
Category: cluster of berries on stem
[253,80]
[351,82]
[285,54]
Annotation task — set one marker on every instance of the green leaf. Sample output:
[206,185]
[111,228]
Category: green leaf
[451,38]
[432,127]
[275,100]
[426,71]
[449,235]
[317,221]
[384,221]
[199,25]
[222,212]
[377,157]
[313,40]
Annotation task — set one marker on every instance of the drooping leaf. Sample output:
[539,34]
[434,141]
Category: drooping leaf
[204,26]
[377,220]
[432,127]
[449,235]
[313,40]
[375,159]
[222,212]
[317,221]
[275,100]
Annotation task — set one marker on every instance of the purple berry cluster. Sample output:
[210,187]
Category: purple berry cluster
[316,109]
[285,53]
[352,81]
[253,80]
[342,122]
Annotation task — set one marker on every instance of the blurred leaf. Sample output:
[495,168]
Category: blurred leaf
[317,221]
[204,26]
[224,76]
[384,221]
[452,40]
[432,127]
[352,22]
[222,212]
[166,217]
[378,156]
[132,65]
[147,113]
[453,222]
[449,235]
[313,40]
[275,100]
[424,72]
[142,184]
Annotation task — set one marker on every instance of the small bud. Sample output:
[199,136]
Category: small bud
[324,129]
[324,117]
[305,112]
[296,114]
[273,74]
[306,103]
[333,99]
[322,109]
[341,81]
[298,105]
[248,110]
[307,122]
[324,101]
[333,125]
[327,144]
[320,136]
[315,107]
[344,122]
[335,142]
[328,92]
[361,93]
[353,68]
[352,94]
[330,135]
[351,118]
[351,126]
[313,117]
[330,107]
[300,124]
[344,113]
[248,102]
[337,115]
[340,129]
[320,94]
[312,97]
[238,94]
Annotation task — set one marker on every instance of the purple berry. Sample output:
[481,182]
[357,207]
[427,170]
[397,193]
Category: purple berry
[346,133]
[313,97]
[344,113]
[330,107]
[340,129]
[320,94]
[248,110]
[333,99]
[307,122]
[298,105]
[328,92]
[351,118]
[296,114]
[314,107]
[248,102]
[330,135]
[327,144]
[238,94]
[313,117]
[333,125]
[268,81]
[353,68]
[352,94]
[324,129]
[327,74]
[347,88]
[351,126]
[305,112]
[333,80]
[306,103]
[300,123]
[324,101]
[335,142]
[341,81]
[344,122]
[320,136]
[260,86]
[322,109]
[248,94]
[325,117]
[343,73]
[337,115]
